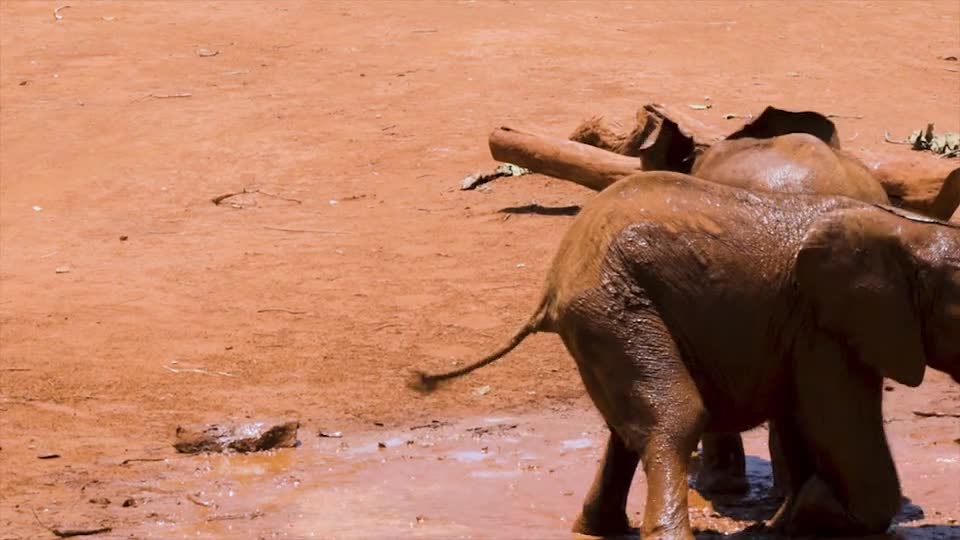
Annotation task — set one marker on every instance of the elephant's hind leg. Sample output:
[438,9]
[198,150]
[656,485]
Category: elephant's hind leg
[605,508]
[723,464]
[634,373]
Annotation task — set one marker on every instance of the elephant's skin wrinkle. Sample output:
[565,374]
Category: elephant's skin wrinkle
[689,305]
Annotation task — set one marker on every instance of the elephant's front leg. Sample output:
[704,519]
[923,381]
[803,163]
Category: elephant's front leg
[605,508]
[849,483]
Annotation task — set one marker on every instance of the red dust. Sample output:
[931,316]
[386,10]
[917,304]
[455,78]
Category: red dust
[130,303]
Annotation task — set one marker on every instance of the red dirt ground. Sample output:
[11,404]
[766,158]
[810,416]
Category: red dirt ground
[367,115]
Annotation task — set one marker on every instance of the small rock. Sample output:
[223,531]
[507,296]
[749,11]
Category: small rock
[63,270]
[381,445]
[482,391]
[330,434]
[102,501]
[421,520]
[129,502]
[48,456]
[37,208]
[123,237]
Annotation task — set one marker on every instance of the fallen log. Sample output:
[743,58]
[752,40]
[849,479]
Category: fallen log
[583,164]
[665,139]
[922,184]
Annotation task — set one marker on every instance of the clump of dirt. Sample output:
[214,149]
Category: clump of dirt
[243,439]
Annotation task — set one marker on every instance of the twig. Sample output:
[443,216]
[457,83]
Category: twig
[282,198]
[851,116]
[283,229]
[220,198]
[170,96]
[15,369]
[198,370]
[499,287]
[142,459]
[925,414]
[891,140]
[243,515]
[67,533]
[281,310]
[196,500]
[385,326]
[56,13]
[424,31]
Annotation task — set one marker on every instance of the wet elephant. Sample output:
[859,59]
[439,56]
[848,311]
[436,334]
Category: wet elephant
[693,307]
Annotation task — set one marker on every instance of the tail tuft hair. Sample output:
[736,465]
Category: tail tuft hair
[421,382]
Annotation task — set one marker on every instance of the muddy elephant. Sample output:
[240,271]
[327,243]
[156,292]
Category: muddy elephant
[779,151]
[690,306]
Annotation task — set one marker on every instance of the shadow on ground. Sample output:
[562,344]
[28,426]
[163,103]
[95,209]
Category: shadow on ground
[538,209]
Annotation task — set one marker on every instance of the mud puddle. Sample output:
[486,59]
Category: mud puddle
[486,477]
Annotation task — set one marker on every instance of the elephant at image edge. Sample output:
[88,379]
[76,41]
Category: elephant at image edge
[691,306]
[780,151]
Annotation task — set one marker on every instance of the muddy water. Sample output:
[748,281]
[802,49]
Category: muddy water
[486,477]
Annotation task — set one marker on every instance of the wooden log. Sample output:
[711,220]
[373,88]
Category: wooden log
[583,164]
[918,182]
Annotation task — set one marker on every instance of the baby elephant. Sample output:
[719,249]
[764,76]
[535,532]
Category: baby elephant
[691,306]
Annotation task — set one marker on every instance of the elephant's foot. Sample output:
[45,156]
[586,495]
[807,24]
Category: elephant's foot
[727,481]
[603,524]
[815,510]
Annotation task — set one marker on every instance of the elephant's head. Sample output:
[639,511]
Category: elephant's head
[886,284]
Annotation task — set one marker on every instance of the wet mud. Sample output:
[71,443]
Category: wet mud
[518,476]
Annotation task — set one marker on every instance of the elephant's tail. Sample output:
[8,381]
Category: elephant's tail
[539,322]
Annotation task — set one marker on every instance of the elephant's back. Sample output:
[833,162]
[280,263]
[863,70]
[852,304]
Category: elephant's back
[713,261]
[792,163]
[678,209]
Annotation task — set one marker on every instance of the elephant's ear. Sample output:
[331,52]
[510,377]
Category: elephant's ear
[858,275]
[774,122]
